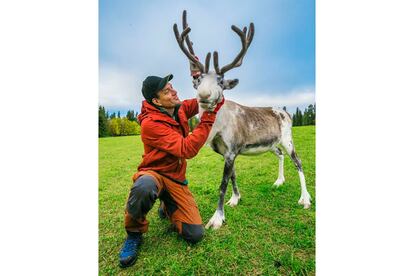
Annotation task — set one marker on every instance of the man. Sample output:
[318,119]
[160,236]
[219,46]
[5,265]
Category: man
[161,174]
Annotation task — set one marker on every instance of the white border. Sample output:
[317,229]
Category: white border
[364,182]
[49,103]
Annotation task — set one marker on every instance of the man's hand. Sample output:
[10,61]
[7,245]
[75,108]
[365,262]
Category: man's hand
[210,115]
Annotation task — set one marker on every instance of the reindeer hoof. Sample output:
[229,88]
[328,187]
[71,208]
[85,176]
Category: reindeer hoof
[305,200]
[279,182]
[216,221]
[213,225]
[234,200]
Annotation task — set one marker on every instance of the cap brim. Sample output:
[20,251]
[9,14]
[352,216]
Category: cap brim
[164,81]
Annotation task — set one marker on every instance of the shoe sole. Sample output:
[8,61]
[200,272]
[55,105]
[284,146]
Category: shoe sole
[128,265]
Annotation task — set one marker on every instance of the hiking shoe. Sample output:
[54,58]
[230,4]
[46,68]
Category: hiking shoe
[129,252]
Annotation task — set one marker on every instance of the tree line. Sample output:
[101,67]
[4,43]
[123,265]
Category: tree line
[306,118]
[114,125]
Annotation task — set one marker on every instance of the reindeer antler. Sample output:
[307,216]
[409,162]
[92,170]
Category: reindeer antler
[187,38]
[245,40]
[190,51]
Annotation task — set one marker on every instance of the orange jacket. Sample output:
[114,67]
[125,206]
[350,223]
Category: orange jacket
[167,143]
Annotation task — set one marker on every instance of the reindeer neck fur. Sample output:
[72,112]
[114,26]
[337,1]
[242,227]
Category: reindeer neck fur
[224,114]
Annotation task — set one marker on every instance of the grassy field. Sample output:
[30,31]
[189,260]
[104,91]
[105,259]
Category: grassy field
[267,233]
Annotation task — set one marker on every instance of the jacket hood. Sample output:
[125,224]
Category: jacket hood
[148,110]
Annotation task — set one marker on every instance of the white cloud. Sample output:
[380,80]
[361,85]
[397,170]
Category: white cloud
[291,99]
[117,88]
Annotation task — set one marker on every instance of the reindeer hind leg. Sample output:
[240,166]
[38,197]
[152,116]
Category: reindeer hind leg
[305,198]
[280,178]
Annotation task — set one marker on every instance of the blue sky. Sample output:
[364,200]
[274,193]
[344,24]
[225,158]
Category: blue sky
[136,40]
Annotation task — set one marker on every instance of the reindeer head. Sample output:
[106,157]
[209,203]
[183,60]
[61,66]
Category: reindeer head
[210,85]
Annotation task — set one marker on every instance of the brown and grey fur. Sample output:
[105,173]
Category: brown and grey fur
[239,129]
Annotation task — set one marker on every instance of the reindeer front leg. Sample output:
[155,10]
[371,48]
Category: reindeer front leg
[235,197]
[218,218]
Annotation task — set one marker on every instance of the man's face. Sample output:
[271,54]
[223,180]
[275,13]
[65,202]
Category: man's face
[167,97]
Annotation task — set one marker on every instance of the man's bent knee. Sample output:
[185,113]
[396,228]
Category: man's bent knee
[193,233]
[142,196]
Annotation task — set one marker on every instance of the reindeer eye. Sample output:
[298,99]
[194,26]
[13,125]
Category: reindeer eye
[196,82]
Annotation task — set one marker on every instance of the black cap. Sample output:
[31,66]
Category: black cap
[152,84]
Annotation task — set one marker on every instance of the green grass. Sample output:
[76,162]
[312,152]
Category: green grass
[267,233]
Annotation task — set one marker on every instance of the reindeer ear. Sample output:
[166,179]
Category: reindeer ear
[230,84]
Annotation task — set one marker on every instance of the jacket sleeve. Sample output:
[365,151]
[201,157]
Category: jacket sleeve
[190,107]
[163,137]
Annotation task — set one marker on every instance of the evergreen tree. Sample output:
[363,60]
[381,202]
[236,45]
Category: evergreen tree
[299,117]
[130,116]
[119,114]
[305,121]
[284,108]
[312,115]
[102,122]
[113,115]
[309,115]
[307,118]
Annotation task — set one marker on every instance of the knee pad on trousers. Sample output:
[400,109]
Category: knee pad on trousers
[193,233]
[142,196]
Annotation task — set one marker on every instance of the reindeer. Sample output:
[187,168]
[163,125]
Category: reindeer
[239,129]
